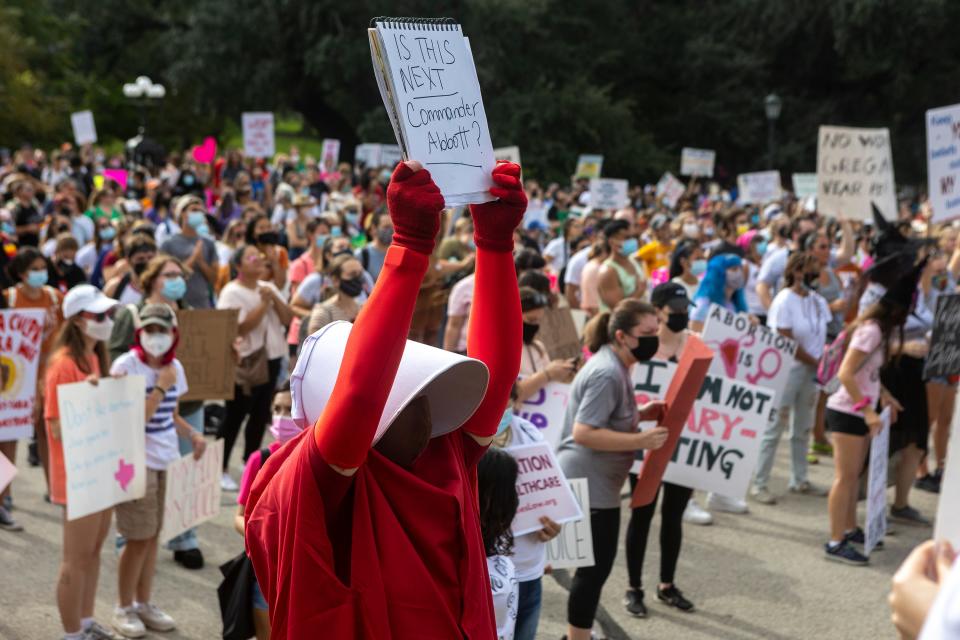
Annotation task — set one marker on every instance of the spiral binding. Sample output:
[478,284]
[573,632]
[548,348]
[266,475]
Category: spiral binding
[417,24]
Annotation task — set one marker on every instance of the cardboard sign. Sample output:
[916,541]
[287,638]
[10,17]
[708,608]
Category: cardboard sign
[588,166]
[368,154]
[670,190]
[759,187]
[855,168]
[944,356]
[947,525]
[574,546]
[390,155]
[21,334]
[7,471]
[876,524]
[192,491]
[681,394]
[755,354]
[559,334]
[546,410]
[804,185]
[510,154]
[608,193]
[542,488]
[330,155]
[697,162]
[206,352]
[102,429]
[720,444]
[84,130]
[943,162]
[258,135]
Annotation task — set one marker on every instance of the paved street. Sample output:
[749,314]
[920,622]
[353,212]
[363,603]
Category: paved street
[752,577]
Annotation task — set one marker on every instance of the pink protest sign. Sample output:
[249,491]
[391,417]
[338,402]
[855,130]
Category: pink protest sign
[542,488]
[117,175]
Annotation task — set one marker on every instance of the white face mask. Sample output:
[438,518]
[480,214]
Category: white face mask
[691,230]
[156,344]
[99,330]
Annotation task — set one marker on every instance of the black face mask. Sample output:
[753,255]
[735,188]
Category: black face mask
[811,280]
[677,322]
[270,237]
[646,348]
[27,239]
[529,331]
[139,267]
[351,288]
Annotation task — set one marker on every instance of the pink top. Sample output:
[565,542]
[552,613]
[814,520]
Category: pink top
[590,285]
[459,303]
[250,472]
[300,269]
[866,339]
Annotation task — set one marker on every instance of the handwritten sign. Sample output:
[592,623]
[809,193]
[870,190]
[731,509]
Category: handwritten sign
[876,525]
[21,333]
[390,155]
[588,166]
[7,471]
[670,190]
[84,130]
[747,352]
[608,193]
[943,162]
[510,154]
[258,135]
[944,356]
[542,488]
[368,154]
[759,187]
[330,155]
[574,546]
[559,335]
[192,493]
[697,162]
[206,352]
[103,443]
[546,410]
[855,168]
[804,185]
[948,516]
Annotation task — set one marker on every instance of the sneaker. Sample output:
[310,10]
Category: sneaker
[845,553]
[154,618]
[857,536]
[97,631]
[929,482]
[633,603]
[762,495]
[695,514]
[672,596]
[807,488]
[228,484]
[128,623]
[909,515]
[8,502]
[813,458]
[33,458]
[7,522]
[190,559]
[821,448]
[716,502]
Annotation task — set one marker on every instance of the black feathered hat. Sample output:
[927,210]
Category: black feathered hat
[903,293]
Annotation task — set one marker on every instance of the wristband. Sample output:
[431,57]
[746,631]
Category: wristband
[161,390]
[864,403]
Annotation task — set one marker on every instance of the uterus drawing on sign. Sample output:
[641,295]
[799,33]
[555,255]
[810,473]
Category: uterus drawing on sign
[733,356]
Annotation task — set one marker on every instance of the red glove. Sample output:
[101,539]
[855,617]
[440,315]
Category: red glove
[415,203]
[494,222]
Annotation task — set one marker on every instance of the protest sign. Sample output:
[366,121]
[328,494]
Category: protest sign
[854,169]
[697,162]
[258,135]
[7,471]
[720,443]
[542,488]
[876,524]
[368,154]
[579,320]
[206,352]
[943,162]
[573,547]
[510,154]
[944,356]
[330,155]
[670,190]
[117,175]
[84,130]
[751,353]
[546,410]
[21,333]
[608,193]
[588,166]
[759,187]
[390,155]
[948,516]
[804,185]
[192,493]
[559,334]
[102,429]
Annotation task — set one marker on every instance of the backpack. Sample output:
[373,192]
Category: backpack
[832,358]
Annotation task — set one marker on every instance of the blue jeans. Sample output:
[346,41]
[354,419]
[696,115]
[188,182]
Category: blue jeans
[528,610]
[188,539]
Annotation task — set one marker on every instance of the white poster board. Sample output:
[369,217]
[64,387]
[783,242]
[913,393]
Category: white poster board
[608,193]
[192,491]
[855,169]
[589,166]
[7,471]
[84,130]
[697,162]
[574,546]
[258,135]
[510,154]
[21,334]
[104,441]
[876,524]
[670,189]
[759,187]
[390,155]
[546,409]
[368,154]
[542,489]
[943,162]
[948,515]
[804,185]
[330,155]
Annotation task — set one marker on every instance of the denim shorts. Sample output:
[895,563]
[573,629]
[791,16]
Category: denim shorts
[256,597]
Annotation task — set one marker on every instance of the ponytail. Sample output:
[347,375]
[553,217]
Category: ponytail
[596,334]
[625,316]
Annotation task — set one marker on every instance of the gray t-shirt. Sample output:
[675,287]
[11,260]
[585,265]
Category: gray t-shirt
[198,290]
[372,260]
[602,397]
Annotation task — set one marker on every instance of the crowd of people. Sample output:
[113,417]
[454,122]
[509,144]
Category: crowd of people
[297,247]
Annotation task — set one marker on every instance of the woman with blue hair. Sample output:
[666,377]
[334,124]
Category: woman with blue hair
[722,284]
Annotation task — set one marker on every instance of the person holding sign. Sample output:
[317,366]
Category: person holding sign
[722,284]
[600,439]
[139,521]
[536,369]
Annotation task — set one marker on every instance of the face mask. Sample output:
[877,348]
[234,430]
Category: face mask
[336,232]
[28,239]
[812,281]
[283,428]
[939,281]
[108,233]
[352,218]
[505,421]
[762,247]
[99,330]
[708,231]
[735,278]
[698,267]
[8,228]
[529,331]
[646,348]
[139,268]
[351,288]
[188,180]
[174,288]
[37,279]
[320,241]
[385,236]
[742,229]
[156,344]
[270,237]
[196,219]
[691,230]
[677,322]
[472,244]
[66,263]
[629,247]
[755,219]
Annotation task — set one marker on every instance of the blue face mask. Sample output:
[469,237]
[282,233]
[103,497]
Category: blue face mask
[203,230]
[174,288]
[762,247]
[8,228]
[630,246]
[37,279]
[505,420]
[755,219]
[352,218]
[196,219]
[336,232]
[108,233]
[698,267]
[321,240]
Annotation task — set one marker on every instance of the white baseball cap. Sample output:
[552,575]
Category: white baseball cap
[86,297]
[454,384]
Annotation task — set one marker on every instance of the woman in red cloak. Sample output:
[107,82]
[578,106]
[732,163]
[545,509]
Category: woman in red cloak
[384,543]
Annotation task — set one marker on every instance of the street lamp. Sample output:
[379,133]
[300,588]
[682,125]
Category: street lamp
[772,104]
[141,91]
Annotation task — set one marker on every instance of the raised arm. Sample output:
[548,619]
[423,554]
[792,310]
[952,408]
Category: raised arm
[349,421]
[495,330]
